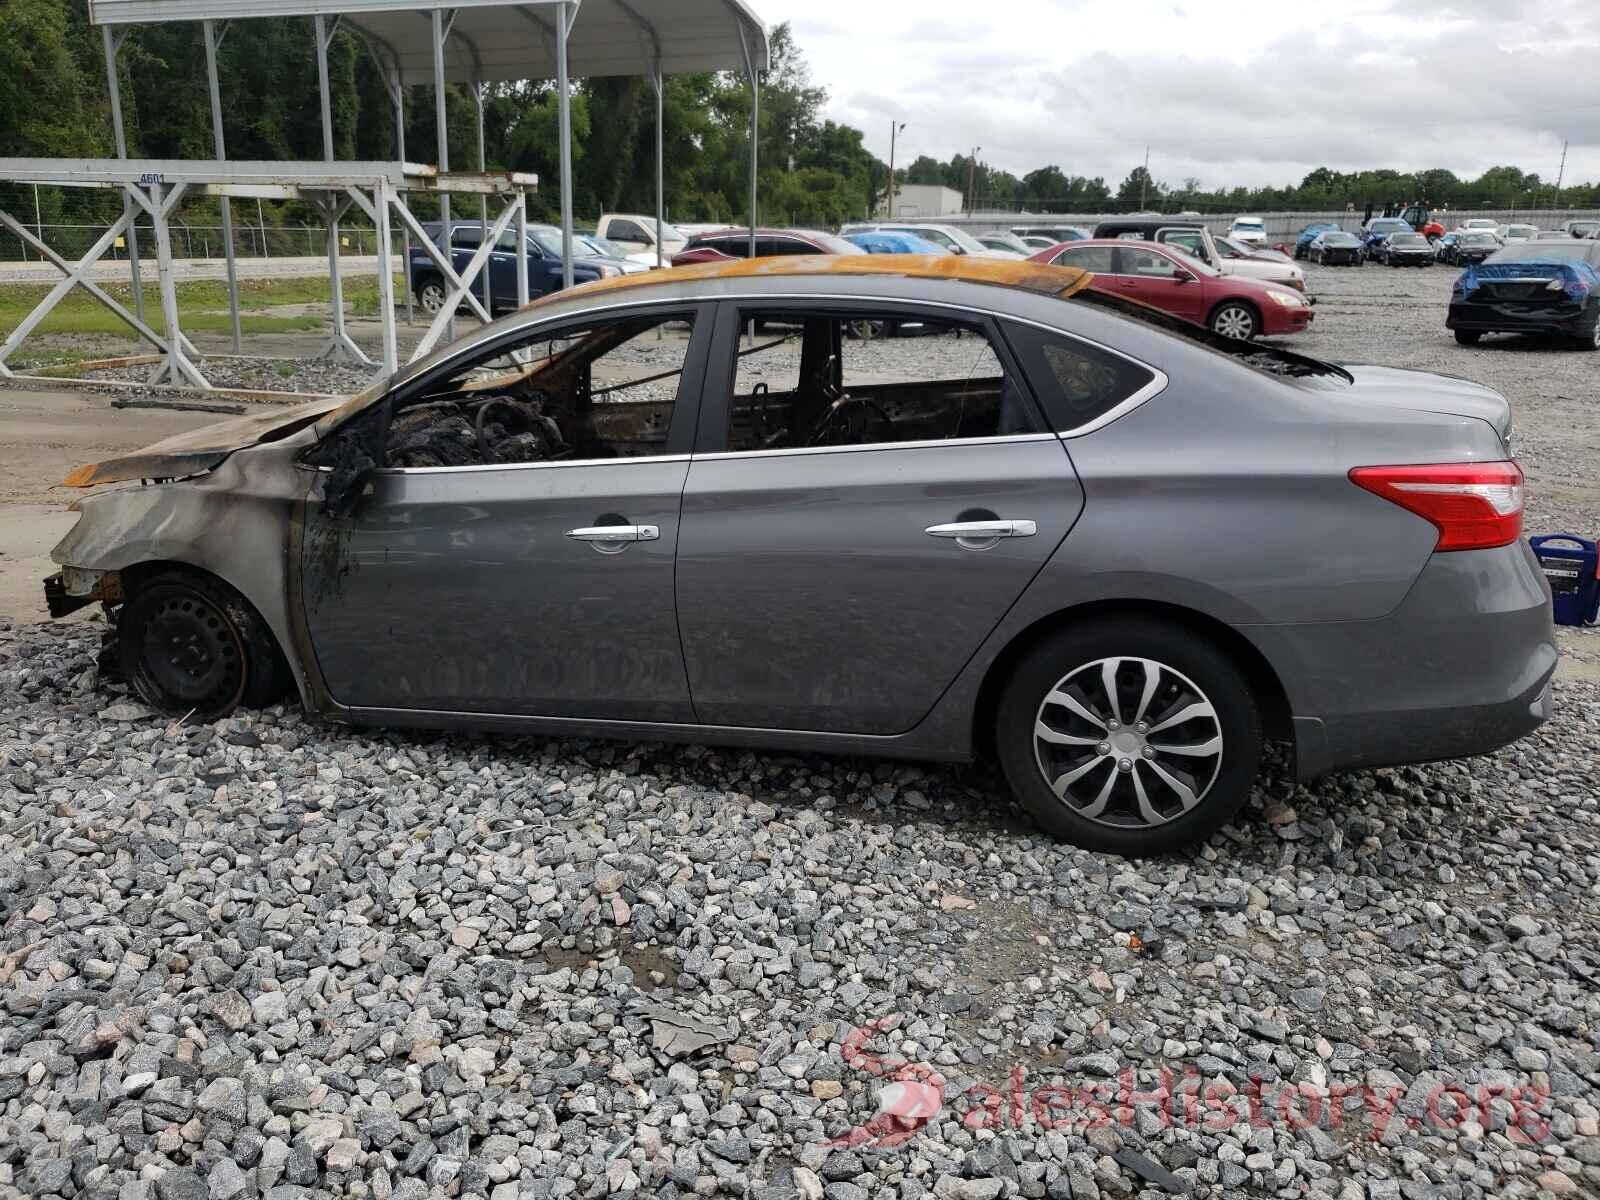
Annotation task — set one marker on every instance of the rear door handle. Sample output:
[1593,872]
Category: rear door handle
[980,535]
[615,533]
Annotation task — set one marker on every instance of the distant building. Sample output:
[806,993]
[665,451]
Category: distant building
[925,200]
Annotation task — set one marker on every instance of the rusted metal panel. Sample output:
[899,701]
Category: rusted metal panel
[1024,273]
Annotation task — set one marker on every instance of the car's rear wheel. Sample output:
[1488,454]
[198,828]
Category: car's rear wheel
[1235,319]
[1129,736]
[188,643]
[1468,337]
[1591,340]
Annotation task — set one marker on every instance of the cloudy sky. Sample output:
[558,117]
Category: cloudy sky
[1244,92]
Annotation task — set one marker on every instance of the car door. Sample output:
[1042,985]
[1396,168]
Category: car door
[859,514]
[513,551]
[1146,274]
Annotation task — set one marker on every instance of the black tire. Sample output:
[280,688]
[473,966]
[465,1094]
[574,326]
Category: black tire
[430,295]
[1591,340]
[1185,664]
[189,643]
[1468,337]
[1231,314]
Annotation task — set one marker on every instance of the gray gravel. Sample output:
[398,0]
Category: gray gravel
[271,957]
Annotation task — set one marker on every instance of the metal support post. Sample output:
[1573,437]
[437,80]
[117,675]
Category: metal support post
[755,126]
[213,40]
[483,201]
[381,200]
[442,125]
[113,42]
[661,200]
[398,88]
[567,15]
[520,224]
[177,369]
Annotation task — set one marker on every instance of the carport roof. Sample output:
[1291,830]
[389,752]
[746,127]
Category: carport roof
[495,40]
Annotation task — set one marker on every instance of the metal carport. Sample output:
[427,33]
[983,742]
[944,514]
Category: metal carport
[474,42]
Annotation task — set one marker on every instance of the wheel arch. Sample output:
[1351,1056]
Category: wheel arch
[1268,689]
[136,575]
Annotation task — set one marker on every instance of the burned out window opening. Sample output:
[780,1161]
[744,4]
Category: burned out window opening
[602,392]
[871,378]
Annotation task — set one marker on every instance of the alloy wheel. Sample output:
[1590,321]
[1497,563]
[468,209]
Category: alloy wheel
[1128,742]
[1235,321]
[432,297]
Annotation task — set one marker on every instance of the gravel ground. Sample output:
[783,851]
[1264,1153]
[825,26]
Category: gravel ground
[271,957]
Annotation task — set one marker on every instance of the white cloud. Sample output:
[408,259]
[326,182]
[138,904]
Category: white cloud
[1251,92]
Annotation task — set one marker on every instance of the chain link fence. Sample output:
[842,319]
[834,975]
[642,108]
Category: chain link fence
[200,241]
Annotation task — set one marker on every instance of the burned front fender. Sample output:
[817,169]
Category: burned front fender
[232,522]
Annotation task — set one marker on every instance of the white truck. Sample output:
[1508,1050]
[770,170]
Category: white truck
[637,234]
[1197,242]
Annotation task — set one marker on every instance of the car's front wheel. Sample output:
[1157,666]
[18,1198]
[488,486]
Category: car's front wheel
[1235,319]
[1468,337]
[1129,736]
[431,296]
[190,644]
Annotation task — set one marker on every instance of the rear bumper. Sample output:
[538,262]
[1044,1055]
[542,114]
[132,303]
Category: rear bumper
[1461,667]
[1516,316]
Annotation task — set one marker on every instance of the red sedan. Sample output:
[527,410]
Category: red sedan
[1170,280]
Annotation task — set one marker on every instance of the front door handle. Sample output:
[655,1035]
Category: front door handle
[615,533]
[980,535]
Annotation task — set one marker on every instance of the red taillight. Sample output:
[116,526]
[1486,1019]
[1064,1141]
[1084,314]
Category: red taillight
[1474,506]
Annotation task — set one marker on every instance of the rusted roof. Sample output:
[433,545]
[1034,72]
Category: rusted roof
[1006,272]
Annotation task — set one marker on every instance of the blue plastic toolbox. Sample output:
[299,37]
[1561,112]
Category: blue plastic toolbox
[1571,566]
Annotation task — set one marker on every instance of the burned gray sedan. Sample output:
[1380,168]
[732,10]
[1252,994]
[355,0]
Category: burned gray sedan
[891,505]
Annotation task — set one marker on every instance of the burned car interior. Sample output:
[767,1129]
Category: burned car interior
[569,395]
[838,380]
[538,402]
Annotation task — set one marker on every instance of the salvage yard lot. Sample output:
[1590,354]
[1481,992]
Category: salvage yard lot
[279,952]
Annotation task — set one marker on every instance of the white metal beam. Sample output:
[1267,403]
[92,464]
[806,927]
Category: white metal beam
[213,40]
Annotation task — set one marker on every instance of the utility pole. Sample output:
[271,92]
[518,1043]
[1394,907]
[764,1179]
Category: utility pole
[1561,172]
[888,205]
[1146,178]
[972,180]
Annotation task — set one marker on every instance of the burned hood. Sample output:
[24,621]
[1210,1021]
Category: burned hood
[1425,391]
[200,450]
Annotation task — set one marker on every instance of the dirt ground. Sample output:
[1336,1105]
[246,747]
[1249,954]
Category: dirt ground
[1368,314]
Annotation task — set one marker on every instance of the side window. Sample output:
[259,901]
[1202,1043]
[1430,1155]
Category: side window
[1189,243]
[464,237]
[1076,381]
[1147,263]
[626,231]
[737,247]
[602,391]
[937,237]
[1086,258]
[817,378]
[782,245]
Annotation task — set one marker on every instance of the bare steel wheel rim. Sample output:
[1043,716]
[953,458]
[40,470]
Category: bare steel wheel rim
[1128,742]
[191,656]
[1235,322]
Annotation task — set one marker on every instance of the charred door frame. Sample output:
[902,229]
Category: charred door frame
[681,435]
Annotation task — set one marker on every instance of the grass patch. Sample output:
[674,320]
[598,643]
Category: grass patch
[202,305]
